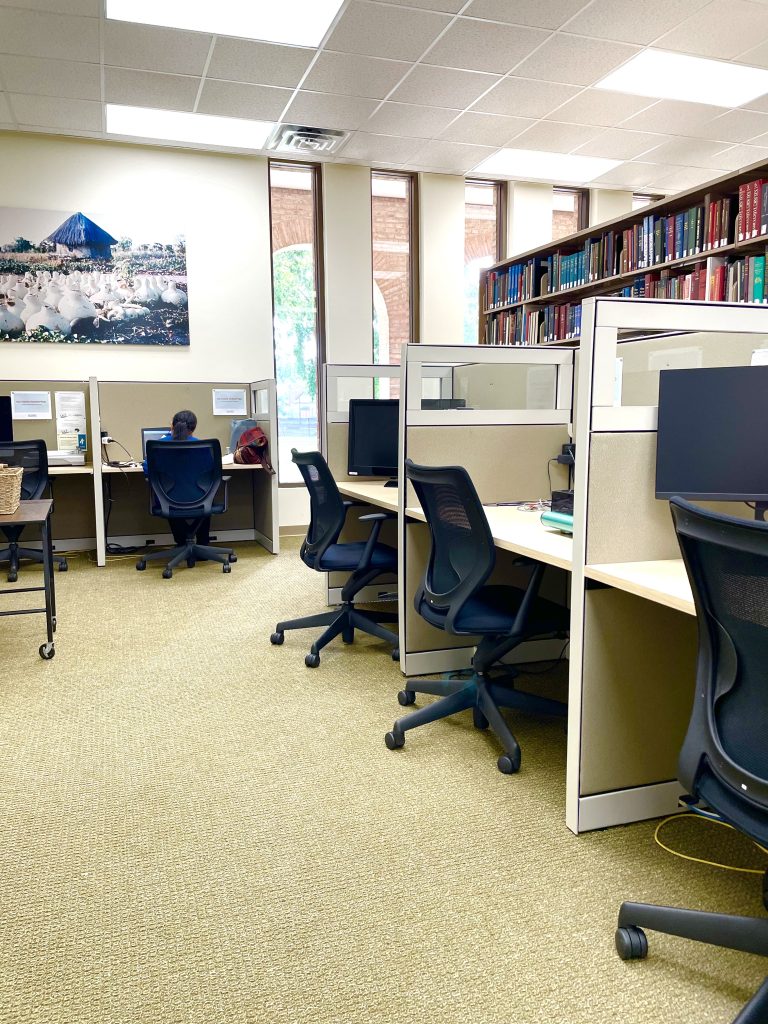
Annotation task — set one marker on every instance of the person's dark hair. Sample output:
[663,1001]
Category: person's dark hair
[184,423]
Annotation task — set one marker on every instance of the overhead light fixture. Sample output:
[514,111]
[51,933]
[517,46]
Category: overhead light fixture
[177,126]
[677,76]
[295,22]
[541,166]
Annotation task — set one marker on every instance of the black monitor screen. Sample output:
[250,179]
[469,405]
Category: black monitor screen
[373,427]
[6,422]
[712,440]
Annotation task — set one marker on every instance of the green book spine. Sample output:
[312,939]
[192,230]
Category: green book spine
[758,280]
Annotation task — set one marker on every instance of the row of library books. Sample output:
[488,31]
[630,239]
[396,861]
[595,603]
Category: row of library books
[534,326]
[655,240]
[713,280]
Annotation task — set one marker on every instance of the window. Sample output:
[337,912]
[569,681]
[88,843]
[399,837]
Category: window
[569,211]
[482,245]
[391,202]
[293,204]
[641,199]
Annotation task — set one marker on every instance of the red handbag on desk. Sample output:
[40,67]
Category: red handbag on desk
[253,449]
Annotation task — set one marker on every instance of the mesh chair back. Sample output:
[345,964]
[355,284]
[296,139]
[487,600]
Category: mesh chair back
[462,556]
[725,754]
[184,476]
[326,506]
[32,456]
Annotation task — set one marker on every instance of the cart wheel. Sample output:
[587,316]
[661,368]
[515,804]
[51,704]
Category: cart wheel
[47,651]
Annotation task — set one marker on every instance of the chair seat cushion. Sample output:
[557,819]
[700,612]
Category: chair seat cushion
[346,557]
[492,612]
[216,510]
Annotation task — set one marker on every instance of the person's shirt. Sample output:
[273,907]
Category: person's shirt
[169,437]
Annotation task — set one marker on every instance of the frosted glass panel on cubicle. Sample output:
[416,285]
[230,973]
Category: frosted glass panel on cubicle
[506,386]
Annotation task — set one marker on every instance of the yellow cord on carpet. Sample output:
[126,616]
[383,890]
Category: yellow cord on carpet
[700,860]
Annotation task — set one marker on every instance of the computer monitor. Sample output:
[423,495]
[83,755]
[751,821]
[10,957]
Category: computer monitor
[152,434]
[712,441]
[373,429]
[6,420]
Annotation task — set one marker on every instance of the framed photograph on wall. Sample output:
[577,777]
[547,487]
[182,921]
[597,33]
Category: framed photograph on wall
[83,278]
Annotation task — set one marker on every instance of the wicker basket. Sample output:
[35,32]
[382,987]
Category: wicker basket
[10,488]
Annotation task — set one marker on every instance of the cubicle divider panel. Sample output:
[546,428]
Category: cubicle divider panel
[265,484]
[45,429]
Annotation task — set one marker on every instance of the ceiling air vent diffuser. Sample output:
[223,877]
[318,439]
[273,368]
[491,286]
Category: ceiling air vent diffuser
[298,138]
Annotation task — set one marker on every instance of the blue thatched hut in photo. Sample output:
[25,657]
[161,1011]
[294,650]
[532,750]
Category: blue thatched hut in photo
[79,236]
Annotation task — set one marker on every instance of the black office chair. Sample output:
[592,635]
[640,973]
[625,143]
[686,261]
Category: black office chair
[724,759]
[32,456]
[366,560]
[184,480]
[454,597]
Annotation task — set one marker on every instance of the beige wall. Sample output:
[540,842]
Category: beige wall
[222,203]
[441,259]
[606,204]
[529,216]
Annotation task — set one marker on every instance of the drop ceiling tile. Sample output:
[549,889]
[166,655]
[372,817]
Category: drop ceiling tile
[386,31]
[54,112]
[574,60]
[757,57]
[443,87]
[599,107]
[451,157]
[323,111]
[244,60]
[68,79]
[688,153]
[485,129]
[150,89]
[410,120]
[551,14]
[231,99]
[760,103]
[523,97]
[724,28]
[677,179]
[40,34]
[446,6]
[381,149]
[86,8]
[674,117]
[484,46]
[630,175]
[554,137]
[619,144]
[733,126]
[737,157]
[149,48]
[632,21]
[350,74]
[5,111]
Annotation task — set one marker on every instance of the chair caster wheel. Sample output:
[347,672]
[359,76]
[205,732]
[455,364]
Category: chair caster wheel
[232,558]
[63,565]
[508,765]
[396,654]
[167,573]
[12,577]
[226,567]
[480,722]
[190,563]
[47,651]
[141,565]
[406,698]
[277,639]
[312,660]
[631,943]
[394,740]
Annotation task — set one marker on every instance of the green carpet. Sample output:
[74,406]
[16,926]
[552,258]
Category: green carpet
[196,828]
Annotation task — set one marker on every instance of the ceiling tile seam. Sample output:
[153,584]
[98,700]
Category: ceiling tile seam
[102,77]
[207,64]
[343,8]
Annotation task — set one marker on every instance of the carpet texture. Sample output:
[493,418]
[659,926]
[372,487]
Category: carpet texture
[196,828]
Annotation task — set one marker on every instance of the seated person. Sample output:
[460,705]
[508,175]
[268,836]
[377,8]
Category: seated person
[183,426]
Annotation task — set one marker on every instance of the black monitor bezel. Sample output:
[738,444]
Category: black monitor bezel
[357,471]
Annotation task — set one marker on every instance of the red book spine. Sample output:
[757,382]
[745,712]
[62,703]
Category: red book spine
[757,192]
[742,212]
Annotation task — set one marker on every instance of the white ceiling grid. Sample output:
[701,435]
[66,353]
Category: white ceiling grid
[434,85]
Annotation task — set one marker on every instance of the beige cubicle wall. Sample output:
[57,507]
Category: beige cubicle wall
[633,650]
[73,520]
[125,407]
[506,437]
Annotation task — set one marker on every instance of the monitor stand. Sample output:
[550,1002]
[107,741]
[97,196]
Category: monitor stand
[393,483]
[761,507]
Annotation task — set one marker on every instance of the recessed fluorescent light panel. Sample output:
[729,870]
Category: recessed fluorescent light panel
[295,22]
[676,76]
[176,126]
[540,166]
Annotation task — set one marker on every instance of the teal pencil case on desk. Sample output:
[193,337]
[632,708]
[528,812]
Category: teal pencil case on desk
[559,520]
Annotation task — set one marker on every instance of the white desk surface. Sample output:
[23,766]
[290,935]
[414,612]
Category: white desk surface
[372,491]
[664,582]
[137,468]
[70,470]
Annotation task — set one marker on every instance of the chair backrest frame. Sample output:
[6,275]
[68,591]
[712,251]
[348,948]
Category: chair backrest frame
[166,465]
[32,456]
[327,511]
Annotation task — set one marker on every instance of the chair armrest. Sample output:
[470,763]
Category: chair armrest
[225,484]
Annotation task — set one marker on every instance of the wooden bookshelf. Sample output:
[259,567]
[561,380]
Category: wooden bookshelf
[685,246]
